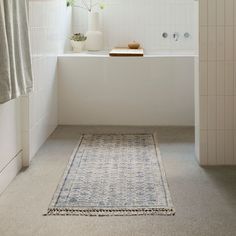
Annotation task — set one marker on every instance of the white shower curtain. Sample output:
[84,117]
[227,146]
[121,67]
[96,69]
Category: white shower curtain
[15,57]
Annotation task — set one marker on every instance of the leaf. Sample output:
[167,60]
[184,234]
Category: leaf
[101,5]
[70,3]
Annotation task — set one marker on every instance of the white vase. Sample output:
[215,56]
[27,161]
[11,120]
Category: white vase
[94,40]
[78,46]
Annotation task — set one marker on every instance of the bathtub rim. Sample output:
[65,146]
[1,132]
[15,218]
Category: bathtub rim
[105,54]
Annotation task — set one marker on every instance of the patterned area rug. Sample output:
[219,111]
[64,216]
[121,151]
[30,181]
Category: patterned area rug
[113,174]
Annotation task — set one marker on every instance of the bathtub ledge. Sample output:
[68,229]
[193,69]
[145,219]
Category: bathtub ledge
[105,54]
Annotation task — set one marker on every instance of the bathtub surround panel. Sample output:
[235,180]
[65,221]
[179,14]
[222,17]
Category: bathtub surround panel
[103,90]
[10,171]
[10,145]
[217,90]
[124,21]
[49,27]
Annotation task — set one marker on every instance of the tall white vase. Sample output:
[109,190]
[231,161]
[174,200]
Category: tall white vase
[94,40]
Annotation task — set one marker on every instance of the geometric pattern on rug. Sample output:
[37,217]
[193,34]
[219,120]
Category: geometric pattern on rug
[113,175]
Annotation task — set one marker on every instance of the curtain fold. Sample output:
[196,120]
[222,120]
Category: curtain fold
[15,58]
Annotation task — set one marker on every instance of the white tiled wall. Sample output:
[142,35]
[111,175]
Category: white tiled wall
[217,82]
[49,26]
[144,21]
[10,145]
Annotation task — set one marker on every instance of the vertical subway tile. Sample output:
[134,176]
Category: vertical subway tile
[234,147]
[212,45]
[229,112]
[234,78]
[229,147]
[220,12]
[197,141]
[220,147]
[203,78]
[203,12]
[220,112]
[229,43]
[212,147]
[203,43]
[229,12]
[212,111]
[220,43]
[235,113]
[235,40]
[220,78]
[211,10]
[229,78]
[203,112]
[212,78]
[203,158]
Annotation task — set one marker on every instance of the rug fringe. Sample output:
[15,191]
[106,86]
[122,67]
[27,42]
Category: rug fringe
[110,212]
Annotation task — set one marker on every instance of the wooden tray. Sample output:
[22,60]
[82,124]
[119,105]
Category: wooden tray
[126,52]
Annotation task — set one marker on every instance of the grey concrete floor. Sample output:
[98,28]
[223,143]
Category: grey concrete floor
[204,198]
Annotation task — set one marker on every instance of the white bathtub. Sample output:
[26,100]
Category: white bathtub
[157,89]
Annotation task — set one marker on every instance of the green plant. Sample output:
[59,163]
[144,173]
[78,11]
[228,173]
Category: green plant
[88,5]
[78,37]
[70,3]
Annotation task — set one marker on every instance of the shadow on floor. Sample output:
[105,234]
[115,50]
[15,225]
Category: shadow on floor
[225,180]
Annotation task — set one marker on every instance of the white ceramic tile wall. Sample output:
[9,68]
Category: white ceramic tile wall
[49,26]
[144,21]
[217,92]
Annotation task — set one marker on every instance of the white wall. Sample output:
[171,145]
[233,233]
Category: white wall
[217,83]
[49,27]
[144,21]
[25,123]
[10,141]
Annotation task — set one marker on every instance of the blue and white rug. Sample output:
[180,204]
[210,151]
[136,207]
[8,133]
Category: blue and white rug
[114,174]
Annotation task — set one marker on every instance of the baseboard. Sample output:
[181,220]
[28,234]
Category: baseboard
[10,171]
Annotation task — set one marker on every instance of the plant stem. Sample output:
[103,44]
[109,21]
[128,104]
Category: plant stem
[90,5]
[87,6]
